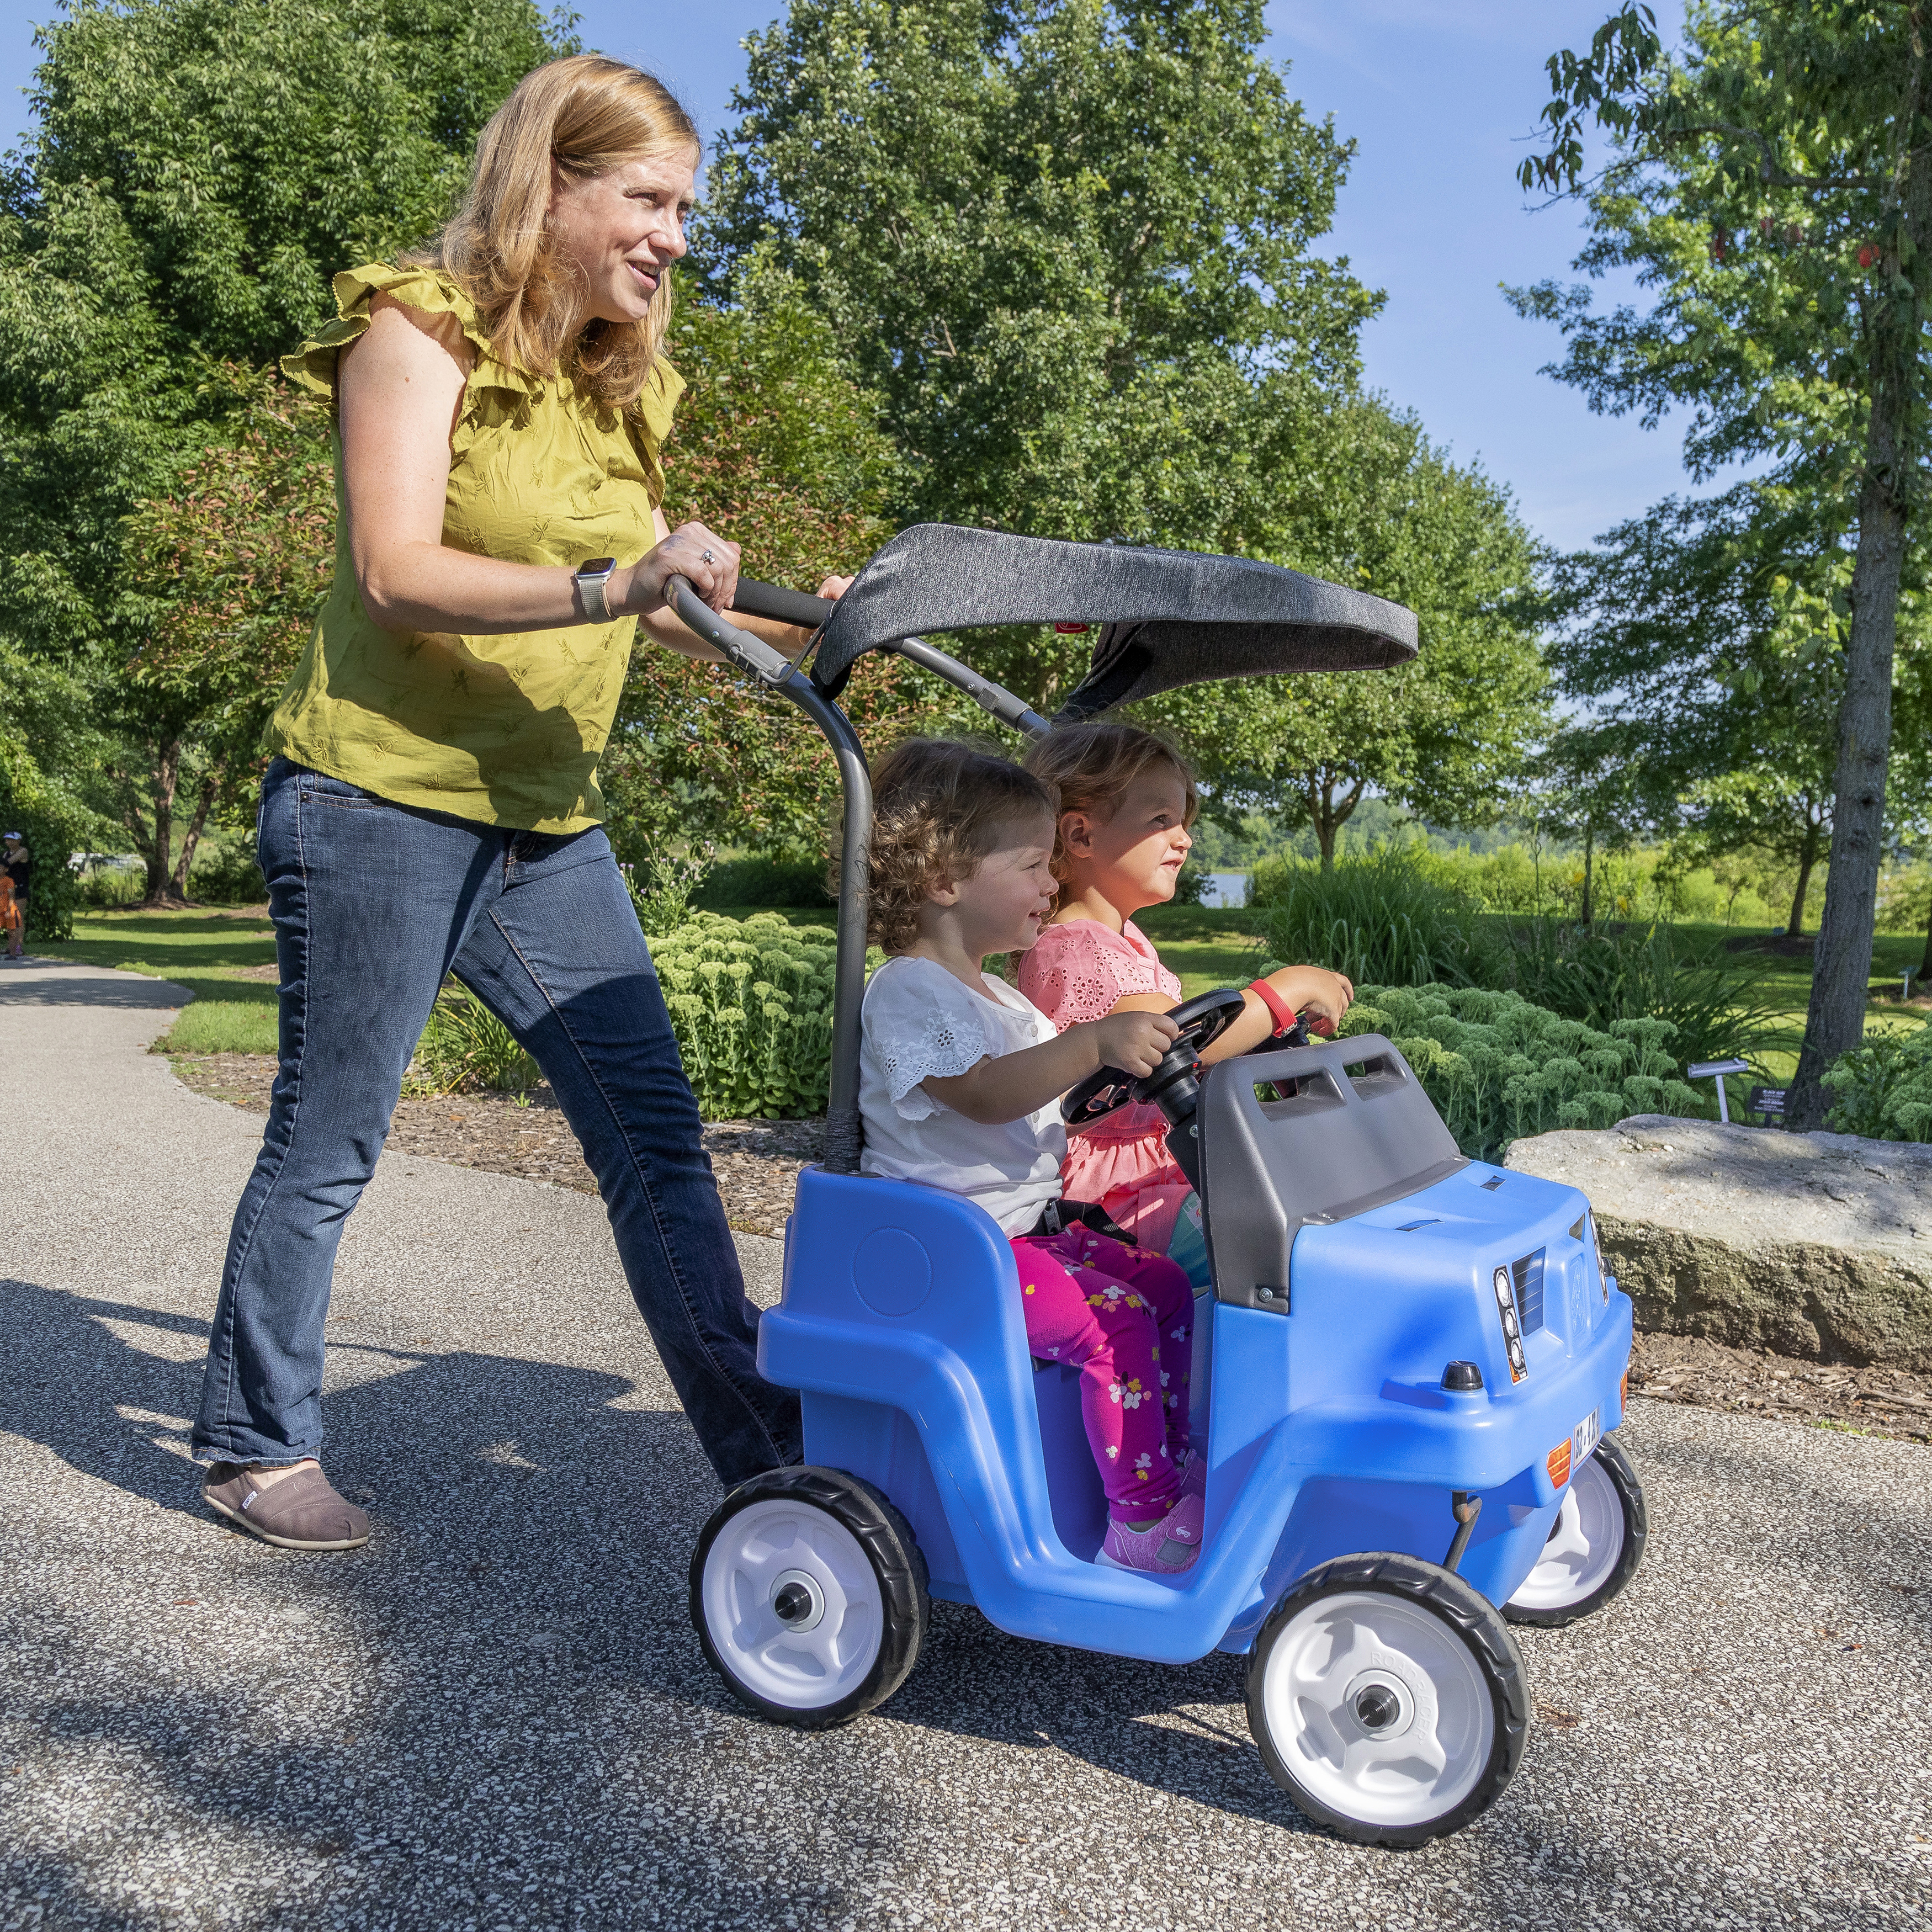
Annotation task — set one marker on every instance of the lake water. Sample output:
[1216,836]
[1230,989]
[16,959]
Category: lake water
[1226,889]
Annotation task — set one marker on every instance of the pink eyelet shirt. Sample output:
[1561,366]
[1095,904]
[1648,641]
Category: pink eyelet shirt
[1080,971]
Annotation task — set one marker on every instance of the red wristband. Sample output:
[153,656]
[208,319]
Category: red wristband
[1284,1014]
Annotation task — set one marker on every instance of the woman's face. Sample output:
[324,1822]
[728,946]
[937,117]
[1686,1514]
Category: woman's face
[622,230]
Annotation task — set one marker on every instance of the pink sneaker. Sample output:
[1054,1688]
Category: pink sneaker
[1194,1475]
[1171,1545]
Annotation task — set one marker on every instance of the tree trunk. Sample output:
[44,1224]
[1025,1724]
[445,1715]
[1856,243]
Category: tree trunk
[1808,857]
[211,784]
[154,841]
[1835,1022]
[1328,817]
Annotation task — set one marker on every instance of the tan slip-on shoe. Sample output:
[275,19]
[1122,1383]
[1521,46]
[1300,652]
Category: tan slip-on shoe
[301,1512]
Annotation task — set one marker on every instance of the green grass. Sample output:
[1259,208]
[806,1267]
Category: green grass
[202,952]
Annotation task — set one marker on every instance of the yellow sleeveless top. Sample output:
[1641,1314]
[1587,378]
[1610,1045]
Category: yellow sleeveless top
[506,731]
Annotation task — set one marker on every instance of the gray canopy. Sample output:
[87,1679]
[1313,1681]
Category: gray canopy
[1169,617]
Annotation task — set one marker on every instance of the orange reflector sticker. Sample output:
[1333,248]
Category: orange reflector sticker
[1558,1463]
[1623,1391]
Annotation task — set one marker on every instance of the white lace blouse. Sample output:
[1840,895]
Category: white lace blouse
[920,1022]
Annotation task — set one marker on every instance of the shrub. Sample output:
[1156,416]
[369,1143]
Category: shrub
[466,1045]
[1499,1068]
[661,889]
[227,874]
[1381,919]
[1713,1001]
[763,882]
[1884,1088]
[750,1004]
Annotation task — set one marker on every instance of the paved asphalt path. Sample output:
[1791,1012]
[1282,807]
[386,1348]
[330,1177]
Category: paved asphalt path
[497,1716]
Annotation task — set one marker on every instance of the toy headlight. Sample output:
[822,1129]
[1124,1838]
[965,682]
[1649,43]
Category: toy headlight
[1506,1310]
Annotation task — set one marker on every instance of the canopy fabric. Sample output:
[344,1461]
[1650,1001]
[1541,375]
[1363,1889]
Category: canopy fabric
[1169,617]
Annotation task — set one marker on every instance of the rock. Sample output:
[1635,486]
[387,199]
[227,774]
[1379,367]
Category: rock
[1817,1245]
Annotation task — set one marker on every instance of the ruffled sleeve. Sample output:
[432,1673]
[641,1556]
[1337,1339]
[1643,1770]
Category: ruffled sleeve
[921,1023]
[650,424]
[1080,971]
[313,366]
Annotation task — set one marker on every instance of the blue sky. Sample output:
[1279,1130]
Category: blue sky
[1439,95]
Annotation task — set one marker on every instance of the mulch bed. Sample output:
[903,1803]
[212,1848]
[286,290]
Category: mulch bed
[757,1162]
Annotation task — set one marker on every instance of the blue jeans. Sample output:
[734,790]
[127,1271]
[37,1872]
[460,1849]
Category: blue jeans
[373,904]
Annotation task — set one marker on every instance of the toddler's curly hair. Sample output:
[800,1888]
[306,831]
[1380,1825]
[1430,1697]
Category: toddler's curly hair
[939,808]
[1091,765]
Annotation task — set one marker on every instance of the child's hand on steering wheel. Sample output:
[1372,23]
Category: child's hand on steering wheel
[1321,997]
[1135,1042]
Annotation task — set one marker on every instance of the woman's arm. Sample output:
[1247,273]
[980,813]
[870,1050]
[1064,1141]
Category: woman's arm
[399,389]
[1015,1085]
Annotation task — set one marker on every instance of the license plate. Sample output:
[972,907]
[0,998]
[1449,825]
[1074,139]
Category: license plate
[1588,1433]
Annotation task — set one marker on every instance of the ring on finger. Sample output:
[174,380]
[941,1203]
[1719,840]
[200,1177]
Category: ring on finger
[707,558]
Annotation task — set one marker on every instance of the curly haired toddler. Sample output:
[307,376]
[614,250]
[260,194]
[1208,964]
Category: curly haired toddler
[960,1077]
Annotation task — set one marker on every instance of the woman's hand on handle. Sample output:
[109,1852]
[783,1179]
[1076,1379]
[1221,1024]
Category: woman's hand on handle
[707,562]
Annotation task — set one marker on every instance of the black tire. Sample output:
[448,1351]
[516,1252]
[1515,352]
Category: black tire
[1549,1607]
[849,1556]
[1426,1625]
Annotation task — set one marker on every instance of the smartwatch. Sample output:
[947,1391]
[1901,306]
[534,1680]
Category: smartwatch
[591,579]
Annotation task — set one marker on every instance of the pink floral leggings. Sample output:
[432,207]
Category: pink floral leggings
[1125,1319]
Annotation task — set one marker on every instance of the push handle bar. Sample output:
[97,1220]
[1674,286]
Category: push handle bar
[748,652]
[782,606]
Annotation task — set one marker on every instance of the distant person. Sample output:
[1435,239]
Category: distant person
[432,805]
[17,867]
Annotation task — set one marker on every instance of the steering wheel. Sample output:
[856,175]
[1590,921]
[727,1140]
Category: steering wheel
[1107,1089]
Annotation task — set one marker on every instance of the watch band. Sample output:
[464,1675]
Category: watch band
[591,579]
[1284,1014]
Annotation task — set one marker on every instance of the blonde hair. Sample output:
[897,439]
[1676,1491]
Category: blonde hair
[1092,766]
[588,115]
[939,808]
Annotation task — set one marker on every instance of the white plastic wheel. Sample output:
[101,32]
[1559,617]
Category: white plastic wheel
[792,1603]
[1584,1548]
[1377,1709]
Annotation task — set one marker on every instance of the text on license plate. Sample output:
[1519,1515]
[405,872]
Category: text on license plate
[1589,1433]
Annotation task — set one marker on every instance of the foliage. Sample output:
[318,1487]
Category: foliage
[663,887]
[466,1045]
[199,170]
[227,873]
[1499,1068]
[1445,737]
[1395,918]
[1381,919]
[1773,185]
[764,882]
[228,565]
[750,1004]
[1068,244]
[1883,1089]
[776,447]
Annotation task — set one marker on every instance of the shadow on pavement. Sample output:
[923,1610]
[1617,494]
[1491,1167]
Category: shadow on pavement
[496,1714]
[50,983]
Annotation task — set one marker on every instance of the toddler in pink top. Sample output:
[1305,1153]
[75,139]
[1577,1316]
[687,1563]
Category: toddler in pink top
[1125,803]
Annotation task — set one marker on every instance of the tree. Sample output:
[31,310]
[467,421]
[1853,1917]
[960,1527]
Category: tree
[201,169]
[776,447]
[1446,736]
[1705,641]
[1069,245]
[226,571]
[1774,182]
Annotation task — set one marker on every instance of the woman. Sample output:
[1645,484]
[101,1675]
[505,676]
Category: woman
[432,806]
